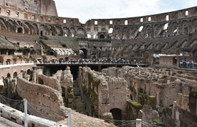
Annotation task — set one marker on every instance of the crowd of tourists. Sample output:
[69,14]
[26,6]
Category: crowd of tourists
[89,61]
[188,64]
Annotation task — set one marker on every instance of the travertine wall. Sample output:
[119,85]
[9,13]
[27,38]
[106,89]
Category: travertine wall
[43,7]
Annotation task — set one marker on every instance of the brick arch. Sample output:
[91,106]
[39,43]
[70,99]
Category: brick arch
[125,33]
[66,32]
[59,30]
[2,22]
[81,33]
[117,33]
[72,31]
[10,25]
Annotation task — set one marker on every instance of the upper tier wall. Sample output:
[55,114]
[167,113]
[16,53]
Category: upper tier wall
[168,16]
[28,16]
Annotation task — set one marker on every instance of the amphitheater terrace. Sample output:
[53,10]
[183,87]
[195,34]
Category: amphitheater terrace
[108,72]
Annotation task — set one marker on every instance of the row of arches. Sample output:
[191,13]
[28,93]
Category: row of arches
[62,31]
[153,30]
[32,28]
[11,25]
[146,30]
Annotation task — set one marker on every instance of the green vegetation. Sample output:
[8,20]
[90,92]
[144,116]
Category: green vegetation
[61,42]
[135,104]
[152,101]
[157,122]
[193,94]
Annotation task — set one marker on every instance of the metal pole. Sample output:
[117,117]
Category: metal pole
[138,123]
[25,113]
[69,118]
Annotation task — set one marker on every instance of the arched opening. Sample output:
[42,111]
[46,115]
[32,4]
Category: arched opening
[41,33]
[80,33]
[40,81]
[174,61]
[29,72]
[116,113]
[15,75]
[63,91]
[84,53]
[20,30]
[101,36]
[8,76]
[8,61]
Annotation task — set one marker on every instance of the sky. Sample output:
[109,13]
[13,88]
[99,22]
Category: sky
[105,9]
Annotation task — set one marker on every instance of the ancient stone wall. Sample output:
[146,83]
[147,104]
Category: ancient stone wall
[44,101]
[43,7]
[159,91]
[101,92]
[48,81]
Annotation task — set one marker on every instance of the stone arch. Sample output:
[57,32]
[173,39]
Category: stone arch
[116,113]
[42,30]
[10,25]
[125,33]
[132,31]
[73,32]
[66,32]
[173,28]
[40,81]
[2,24]
[32,28]
[19,29]
[52,30]
[101,36]
[28,71]
[81,33]
[8,75]
[157,29]
[15,75]
[185,27]
[35,26]
[84,53]
[59,31]
[8,61]
[117,33]
[26,28]
[149,31]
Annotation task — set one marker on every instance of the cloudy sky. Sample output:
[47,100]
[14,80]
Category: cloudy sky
[93,9]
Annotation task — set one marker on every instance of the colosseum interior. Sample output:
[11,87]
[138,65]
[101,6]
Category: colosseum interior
[105,70]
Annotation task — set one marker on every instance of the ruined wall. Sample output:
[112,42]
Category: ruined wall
[158,91]
[44,101]
[48,81]
[101,92]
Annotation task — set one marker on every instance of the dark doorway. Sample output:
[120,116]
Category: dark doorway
[174,61]
[63,91]
[20,30]
[40,81]
[117,115]
[41,33]
[85,53]
[102,36]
